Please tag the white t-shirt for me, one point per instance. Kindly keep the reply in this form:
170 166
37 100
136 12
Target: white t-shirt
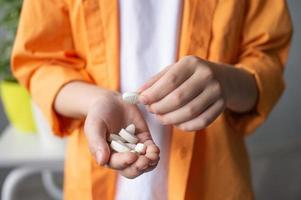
149 39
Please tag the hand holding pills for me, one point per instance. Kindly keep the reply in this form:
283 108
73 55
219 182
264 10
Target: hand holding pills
118 136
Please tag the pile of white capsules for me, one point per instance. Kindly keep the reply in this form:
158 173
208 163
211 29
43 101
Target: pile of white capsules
125 140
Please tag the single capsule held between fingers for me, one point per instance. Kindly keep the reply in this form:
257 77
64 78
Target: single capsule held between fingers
130 97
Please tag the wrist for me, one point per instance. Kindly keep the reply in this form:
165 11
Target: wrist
221 74
76 98
101 97
239 87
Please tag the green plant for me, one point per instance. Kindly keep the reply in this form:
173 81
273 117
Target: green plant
9 16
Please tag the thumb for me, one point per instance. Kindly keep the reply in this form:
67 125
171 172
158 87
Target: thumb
96 133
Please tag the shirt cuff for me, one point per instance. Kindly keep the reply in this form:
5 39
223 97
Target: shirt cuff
270 85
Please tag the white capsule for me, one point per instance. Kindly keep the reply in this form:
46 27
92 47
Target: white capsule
128 136
132 146
131 128
130 97
119 146
140 148
115 137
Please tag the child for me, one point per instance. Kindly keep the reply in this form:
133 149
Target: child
224 74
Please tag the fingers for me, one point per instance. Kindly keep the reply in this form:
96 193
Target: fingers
180 96
194 108
153 79
167 83
143 164
204 119
154 158
95 130
152 152
136 168
120 161
132 165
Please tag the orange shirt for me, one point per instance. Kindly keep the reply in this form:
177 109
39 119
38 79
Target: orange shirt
59 41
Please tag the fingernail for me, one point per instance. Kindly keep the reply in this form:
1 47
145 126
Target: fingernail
143 99
98 155
152 163
143 168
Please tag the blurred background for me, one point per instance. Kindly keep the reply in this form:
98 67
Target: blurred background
275 149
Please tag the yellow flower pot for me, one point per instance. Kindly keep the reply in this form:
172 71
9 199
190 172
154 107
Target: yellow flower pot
17 105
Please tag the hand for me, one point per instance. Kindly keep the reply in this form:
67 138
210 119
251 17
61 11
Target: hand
108 114
192 93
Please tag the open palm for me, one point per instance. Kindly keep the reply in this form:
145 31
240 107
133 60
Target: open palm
108 115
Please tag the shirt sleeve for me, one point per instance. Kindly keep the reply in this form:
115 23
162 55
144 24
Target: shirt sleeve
44 59
264 49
